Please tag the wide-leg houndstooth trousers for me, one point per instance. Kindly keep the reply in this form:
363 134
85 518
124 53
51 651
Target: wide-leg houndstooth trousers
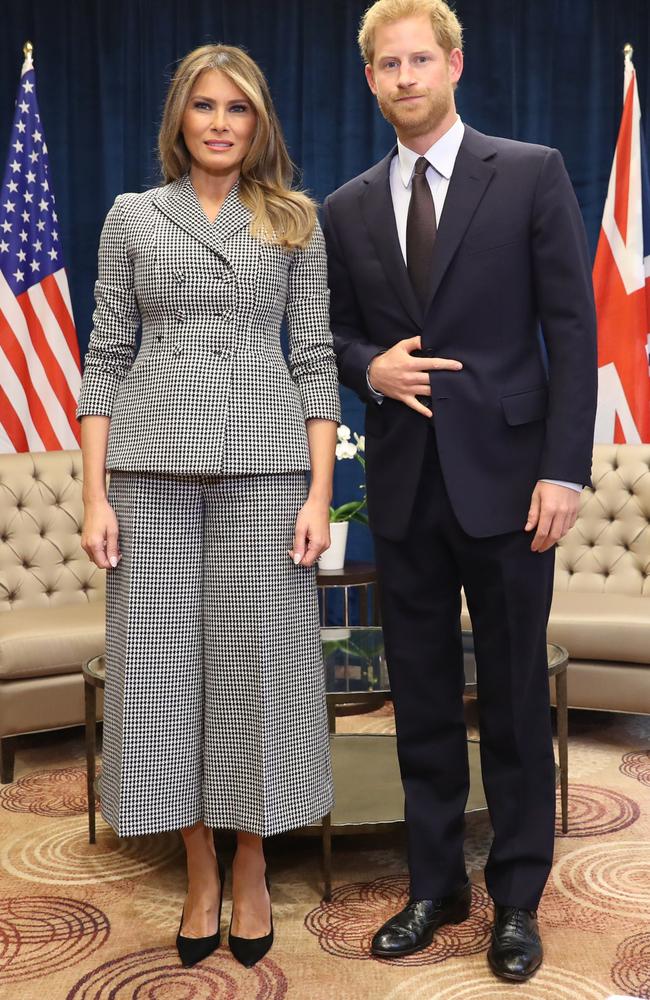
214 705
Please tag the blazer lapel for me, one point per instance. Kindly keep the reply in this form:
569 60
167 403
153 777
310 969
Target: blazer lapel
468 183
379 217
178 201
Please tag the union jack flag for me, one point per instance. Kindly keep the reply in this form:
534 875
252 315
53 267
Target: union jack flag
39 352
622 284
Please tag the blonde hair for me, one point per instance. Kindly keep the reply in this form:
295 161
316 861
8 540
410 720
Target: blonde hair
280 215
446 26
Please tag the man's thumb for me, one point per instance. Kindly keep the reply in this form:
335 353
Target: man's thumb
533 513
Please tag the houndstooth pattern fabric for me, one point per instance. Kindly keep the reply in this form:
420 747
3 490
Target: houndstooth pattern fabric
214 704
209 391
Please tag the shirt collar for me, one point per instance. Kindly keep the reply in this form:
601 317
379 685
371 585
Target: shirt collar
441 156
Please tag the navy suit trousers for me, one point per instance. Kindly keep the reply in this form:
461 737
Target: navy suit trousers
508 590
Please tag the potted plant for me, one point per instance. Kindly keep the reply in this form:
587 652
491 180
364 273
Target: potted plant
352 510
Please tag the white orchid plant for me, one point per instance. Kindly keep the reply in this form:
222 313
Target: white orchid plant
347 448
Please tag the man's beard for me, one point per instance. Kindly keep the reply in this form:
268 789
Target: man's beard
413 120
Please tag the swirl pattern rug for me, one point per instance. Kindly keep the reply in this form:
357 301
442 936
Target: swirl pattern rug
82 921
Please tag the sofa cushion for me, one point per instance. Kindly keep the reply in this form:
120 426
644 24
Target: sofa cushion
601 626
609 627
37 642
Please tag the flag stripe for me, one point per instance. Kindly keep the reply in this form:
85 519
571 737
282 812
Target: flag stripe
15 393
32 385
51 367
63 313
49 416
12 424
623 157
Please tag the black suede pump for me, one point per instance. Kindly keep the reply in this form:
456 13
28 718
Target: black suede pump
193 950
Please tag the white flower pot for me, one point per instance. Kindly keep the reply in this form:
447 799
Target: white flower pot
334 557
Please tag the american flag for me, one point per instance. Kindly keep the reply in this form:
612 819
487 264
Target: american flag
39 353
622 283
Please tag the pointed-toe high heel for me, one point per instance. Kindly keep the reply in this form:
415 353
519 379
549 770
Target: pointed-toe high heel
249 951
193 950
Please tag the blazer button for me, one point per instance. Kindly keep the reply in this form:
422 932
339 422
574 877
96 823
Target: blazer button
159 338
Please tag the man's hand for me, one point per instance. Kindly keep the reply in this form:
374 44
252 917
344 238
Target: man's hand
396 374
553 511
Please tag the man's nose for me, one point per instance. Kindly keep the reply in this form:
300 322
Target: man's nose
406 77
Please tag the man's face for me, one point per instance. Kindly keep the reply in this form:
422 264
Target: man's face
412 77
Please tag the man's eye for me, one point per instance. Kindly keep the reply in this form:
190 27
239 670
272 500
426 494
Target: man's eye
391 64
422 59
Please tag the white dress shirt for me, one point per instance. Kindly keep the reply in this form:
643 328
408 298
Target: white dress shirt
442 158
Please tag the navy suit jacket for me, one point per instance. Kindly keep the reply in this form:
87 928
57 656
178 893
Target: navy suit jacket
510 297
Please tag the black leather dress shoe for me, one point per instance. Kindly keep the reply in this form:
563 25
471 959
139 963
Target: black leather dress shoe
516 951
413 928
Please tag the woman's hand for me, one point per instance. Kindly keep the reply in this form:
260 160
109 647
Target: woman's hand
312 532
99 538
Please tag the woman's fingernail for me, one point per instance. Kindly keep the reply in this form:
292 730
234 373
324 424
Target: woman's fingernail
113 561
297 558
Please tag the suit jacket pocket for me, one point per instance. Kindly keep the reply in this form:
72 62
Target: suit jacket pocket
525 406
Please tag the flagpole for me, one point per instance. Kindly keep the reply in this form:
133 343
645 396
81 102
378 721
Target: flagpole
28 49
628 51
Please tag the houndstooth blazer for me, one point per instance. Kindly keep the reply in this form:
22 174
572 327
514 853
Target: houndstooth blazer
209 390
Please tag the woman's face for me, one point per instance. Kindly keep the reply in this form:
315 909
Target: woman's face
218 124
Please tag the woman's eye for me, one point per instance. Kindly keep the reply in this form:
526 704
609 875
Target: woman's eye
238 108
201 105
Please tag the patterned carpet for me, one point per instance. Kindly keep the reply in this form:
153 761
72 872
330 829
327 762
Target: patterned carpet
98 922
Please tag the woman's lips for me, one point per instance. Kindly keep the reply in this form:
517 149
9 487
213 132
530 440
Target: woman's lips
219 145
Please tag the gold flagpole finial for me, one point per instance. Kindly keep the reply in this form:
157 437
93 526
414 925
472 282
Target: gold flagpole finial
628 51
28 49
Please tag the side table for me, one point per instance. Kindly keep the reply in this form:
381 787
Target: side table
94 675
354 574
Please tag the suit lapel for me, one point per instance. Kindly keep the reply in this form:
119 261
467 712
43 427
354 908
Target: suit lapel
468 183
178 201
379 217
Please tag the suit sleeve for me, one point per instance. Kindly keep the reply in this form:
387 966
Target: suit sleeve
354 351
312 362
115 320
565 302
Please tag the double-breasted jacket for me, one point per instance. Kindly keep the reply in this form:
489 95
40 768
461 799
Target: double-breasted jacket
209 390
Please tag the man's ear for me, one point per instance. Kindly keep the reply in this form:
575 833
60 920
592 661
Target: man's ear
370 77
455 65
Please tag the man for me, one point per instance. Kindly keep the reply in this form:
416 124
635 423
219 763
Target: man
445 259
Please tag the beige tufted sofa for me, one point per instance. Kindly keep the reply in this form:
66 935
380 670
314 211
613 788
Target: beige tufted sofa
601 604
51 597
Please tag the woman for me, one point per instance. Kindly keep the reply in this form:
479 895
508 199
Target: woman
214 703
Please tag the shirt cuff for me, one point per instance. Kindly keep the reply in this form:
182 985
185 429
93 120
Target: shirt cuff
560 482
377 396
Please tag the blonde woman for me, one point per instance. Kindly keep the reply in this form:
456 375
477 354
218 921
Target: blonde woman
214 705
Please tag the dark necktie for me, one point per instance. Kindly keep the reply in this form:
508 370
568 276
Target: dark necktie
420 232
